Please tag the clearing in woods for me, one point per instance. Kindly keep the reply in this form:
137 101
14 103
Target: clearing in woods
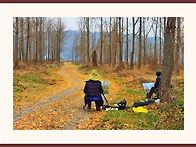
59 106
51 98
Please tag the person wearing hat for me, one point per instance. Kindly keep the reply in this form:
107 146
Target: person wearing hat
156 86
93 88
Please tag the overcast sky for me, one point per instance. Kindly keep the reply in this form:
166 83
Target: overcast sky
71 23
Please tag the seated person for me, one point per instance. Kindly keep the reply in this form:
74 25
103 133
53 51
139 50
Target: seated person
156 86
93 88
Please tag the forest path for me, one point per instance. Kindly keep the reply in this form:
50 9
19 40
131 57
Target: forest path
63 110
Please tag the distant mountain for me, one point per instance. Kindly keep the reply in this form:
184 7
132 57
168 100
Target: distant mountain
66 53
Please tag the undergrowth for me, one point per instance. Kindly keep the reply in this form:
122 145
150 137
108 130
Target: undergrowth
162 116
32 80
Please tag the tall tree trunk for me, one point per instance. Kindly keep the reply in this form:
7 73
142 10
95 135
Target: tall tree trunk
160 48
133 45
120 39
168 60
127 46
80 46
21 49
114 42
177 53
30 50
140 43
164 30
40 40
182 50
16 65
27 45
43 42
122 32
88 32
94 59
60 37
110 43
37 48
155 43
83 43
100 59
59 41
144 41
121 63
33 41
53 47
49 41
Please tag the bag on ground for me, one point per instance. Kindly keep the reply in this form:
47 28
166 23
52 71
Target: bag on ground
122 104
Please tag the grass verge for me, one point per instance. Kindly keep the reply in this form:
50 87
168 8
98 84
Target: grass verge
31 81
160 116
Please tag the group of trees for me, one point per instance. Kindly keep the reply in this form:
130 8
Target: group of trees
37 39
118 40
114 41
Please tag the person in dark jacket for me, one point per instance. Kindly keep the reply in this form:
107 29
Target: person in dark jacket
156 86
93 88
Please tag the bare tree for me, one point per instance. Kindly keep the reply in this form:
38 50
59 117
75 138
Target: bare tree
114 41
88 33
28 35
16 65
49 36
40 40
37 43
168 58
120 40
140 43
144 40
133 43
127 42
21 49
59 36
110 42
155 41
177 52
182 42
101 45
94 59
160 48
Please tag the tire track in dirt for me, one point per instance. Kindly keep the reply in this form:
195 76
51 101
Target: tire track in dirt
19 114
76 117
70 99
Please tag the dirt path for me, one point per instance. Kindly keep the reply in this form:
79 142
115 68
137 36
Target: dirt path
70 72
63 109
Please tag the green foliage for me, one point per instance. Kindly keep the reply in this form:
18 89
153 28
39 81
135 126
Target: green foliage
33 81
85 70
29 78
62 64
75 63
160 116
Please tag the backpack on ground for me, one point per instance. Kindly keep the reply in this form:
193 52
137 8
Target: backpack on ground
122 104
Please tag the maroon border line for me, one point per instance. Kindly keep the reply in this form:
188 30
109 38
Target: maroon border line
97 1
99 145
